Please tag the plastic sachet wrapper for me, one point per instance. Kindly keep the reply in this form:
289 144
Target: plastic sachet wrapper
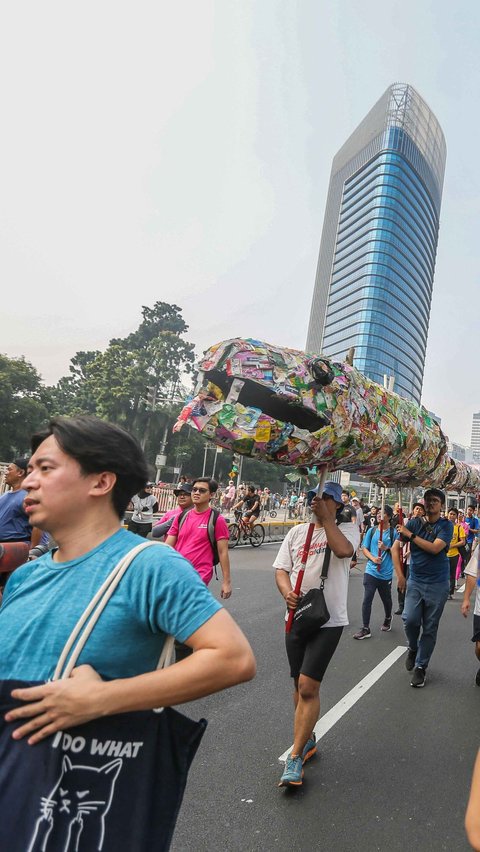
294 408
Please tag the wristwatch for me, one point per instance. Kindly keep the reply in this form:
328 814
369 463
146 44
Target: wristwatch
413 535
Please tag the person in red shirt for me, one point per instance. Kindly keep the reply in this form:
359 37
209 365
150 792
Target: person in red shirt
192 541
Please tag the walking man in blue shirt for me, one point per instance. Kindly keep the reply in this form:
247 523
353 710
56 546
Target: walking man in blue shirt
428 583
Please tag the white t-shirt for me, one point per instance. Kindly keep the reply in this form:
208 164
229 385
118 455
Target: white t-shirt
359 516
143 509
472 569
336 585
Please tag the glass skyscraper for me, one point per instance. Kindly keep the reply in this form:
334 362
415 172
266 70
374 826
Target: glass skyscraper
374 279
475 440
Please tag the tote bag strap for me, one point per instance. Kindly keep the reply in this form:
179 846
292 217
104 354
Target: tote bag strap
93 612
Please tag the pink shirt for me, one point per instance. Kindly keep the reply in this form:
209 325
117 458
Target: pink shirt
166 517
193 542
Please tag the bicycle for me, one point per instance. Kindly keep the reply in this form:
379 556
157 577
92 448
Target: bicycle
241 531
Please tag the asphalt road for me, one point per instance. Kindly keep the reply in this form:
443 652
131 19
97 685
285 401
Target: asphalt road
392 774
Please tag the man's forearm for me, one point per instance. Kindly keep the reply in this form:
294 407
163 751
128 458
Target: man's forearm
207 671
282 579
225 566
396 559
429 546
470 583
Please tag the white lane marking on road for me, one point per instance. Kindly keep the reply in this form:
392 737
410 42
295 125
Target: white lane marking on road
343 706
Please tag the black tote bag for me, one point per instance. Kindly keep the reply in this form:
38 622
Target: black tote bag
312 611
114 784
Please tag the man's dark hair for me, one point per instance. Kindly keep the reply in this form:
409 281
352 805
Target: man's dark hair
251 488
346 492
435 492
418 504
453 509
100 446
211 483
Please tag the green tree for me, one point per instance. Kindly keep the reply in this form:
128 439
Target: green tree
72 394
113 384
24 405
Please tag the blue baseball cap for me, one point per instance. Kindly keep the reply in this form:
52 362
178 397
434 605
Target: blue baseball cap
332 489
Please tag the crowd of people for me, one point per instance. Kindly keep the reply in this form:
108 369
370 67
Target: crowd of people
102 470
425 551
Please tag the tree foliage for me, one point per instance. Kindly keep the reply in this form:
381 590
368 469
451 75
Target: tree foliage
113 384
23 406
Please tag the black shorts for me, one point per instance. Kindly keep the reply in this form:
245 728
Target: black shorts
311 656
139 529
476 628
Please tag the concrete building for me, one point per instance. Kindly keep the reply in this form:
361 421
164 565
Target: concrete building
475 439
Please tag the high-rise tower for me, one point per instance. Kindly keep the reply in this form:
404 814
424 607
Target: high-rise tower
475 439
374 280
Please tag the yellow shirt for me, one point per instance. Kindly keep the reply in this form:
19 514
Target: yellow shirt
458 535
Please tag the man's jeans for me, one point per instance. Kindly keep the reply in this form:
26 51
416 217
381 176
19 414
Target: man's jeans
424 603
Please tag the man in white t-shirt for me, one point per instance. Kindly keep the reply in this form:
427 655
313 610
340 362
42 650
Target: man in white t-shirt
359 513
471 581
309 658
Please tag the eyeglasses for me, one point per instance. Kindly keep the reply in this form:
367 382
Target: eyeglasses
199 490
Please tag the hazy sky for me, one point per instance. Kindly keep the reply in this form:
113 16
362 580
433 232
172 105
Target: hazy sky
181 151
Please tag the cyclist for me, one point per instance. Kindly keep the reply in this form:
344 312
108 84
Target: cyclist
251 506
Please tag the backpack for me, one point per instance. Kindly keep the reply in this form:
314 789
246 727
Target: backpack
212 522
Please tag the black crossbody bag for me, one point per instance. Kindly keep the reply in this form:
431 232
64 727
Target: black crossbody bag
312 611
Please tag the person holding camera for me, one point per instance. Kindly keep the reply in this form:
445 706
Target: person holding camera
309 657
428 582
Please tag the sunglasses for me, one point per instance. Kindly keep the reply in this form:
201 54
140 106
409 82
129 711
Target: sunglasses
199 490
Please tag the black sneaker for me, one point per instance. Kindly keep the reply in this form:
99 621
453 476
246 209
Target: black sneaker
387 625
399 610
418 677
477 678
363 633
410 660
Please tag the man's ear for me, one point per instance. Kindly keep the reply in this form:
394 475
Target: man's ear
103 483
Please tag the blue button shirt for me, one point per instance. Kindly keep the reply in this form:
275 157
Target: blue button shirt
428 566
14 525
473 524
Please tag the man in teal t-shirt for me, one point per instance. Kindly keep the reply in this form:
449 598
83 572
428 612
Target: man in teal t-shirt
378 573
82 474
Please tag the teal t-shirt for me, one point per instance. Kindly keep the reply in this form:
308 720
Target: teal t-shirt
159 594
370 542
